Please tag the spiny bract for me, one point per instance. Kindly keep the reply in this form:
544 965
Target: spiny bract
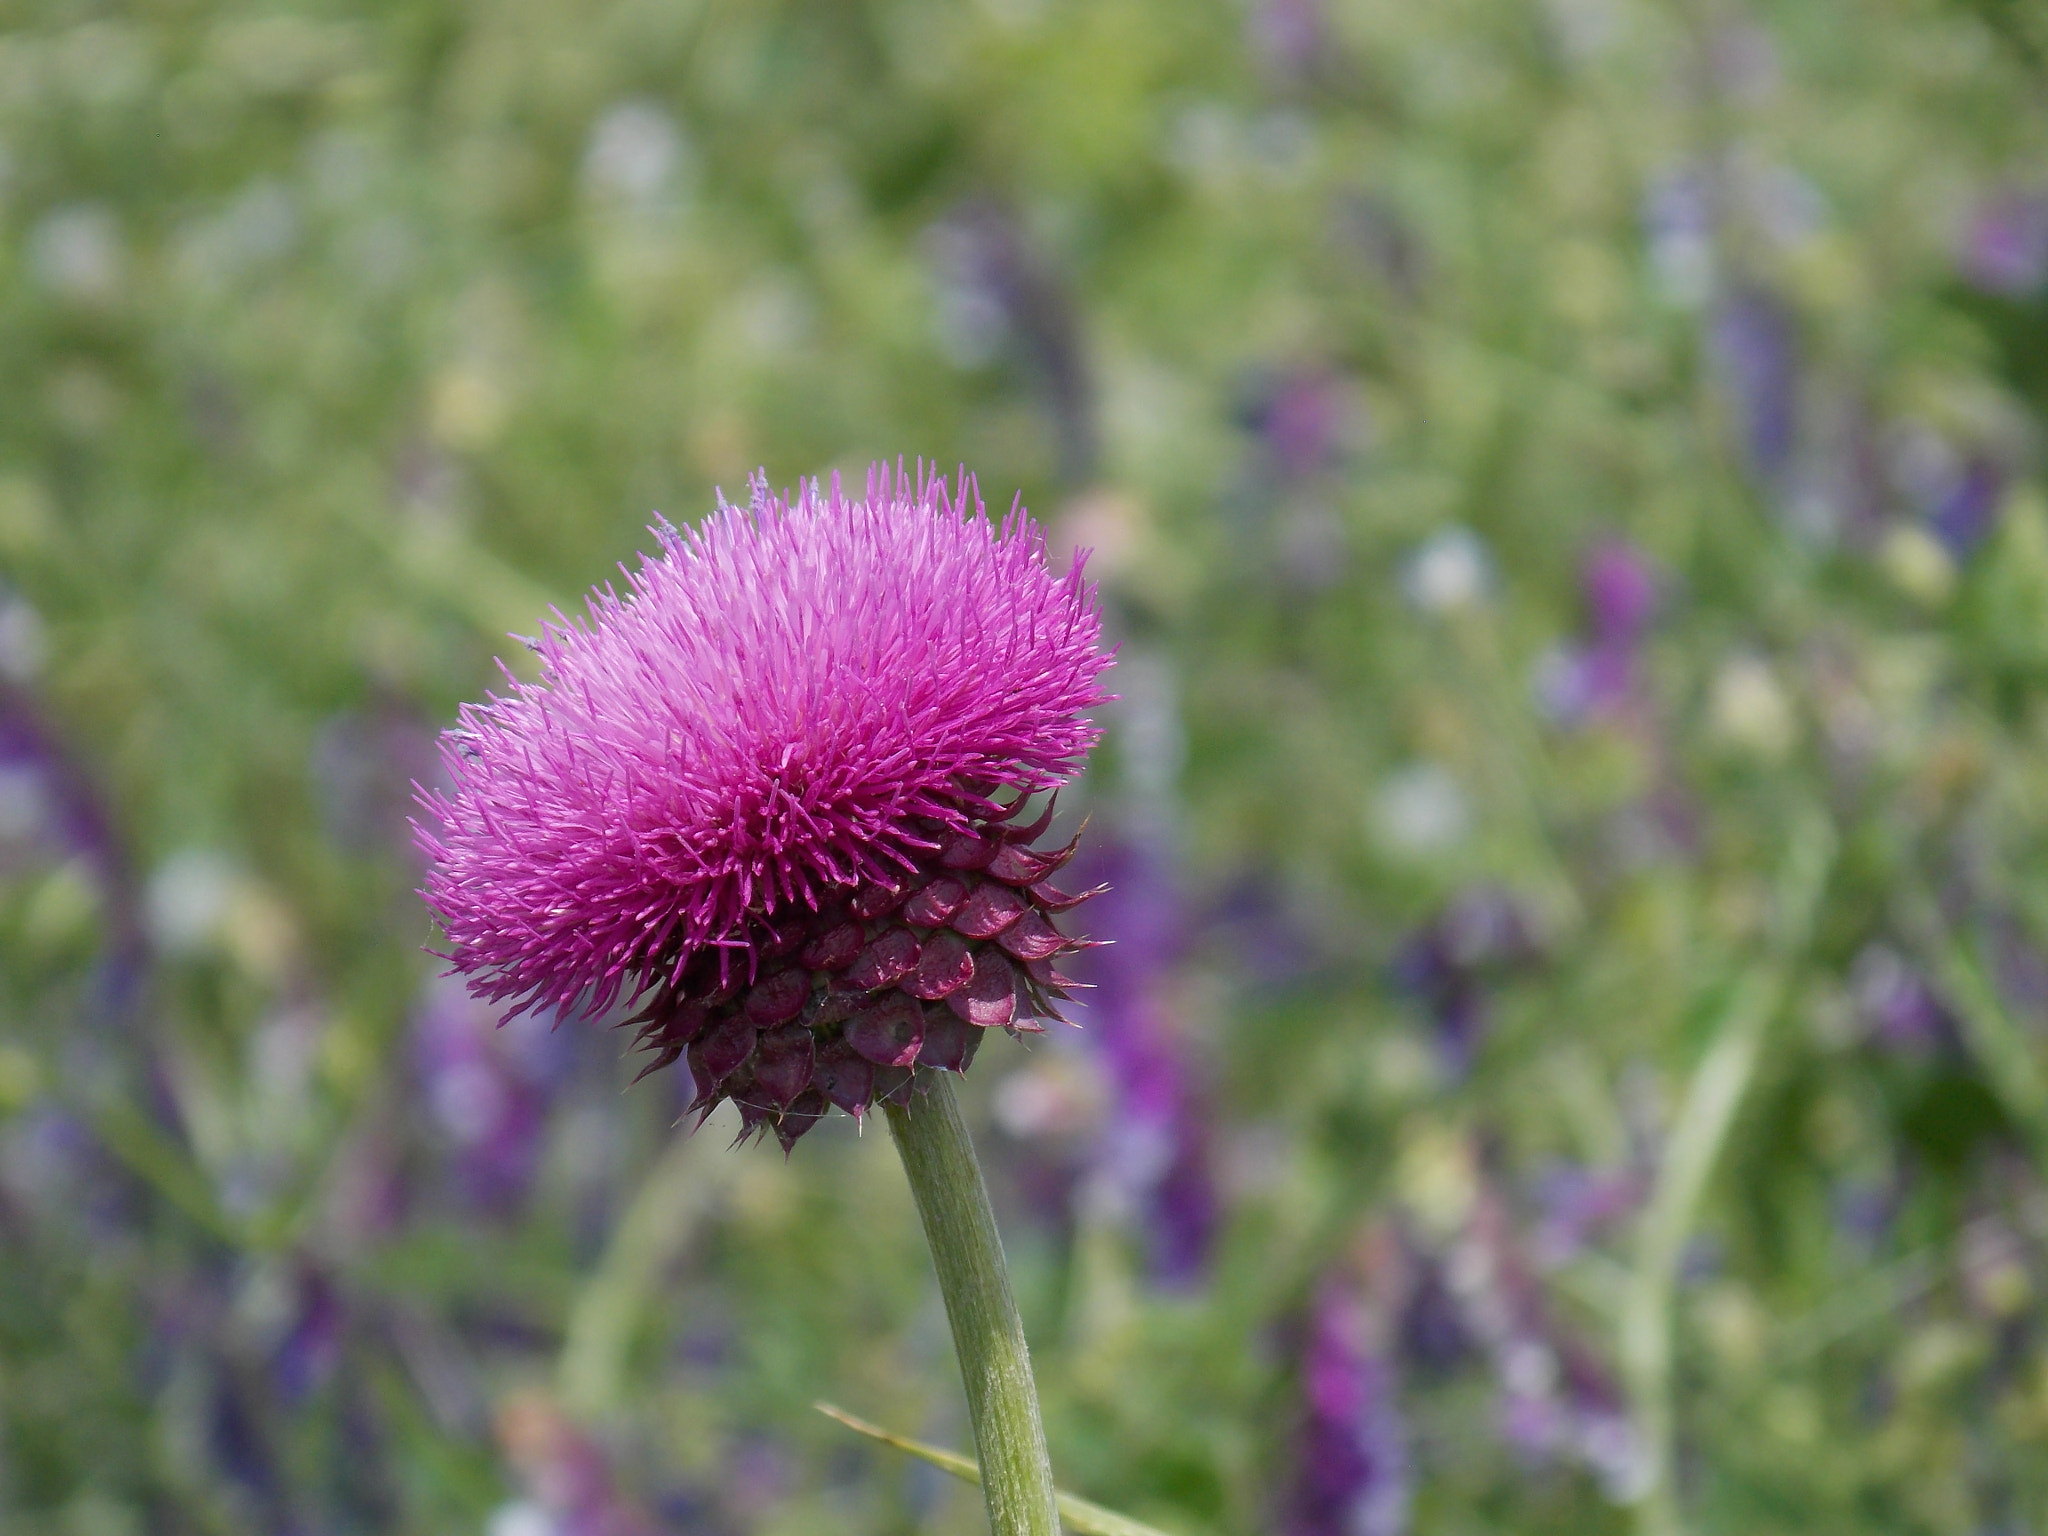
777 787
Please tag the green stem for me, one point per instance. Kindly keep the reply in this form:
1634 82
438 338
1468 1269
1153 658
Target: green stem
988 1336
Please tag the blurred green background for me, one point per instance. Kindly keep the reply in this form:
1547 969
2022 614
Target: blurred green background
1565 482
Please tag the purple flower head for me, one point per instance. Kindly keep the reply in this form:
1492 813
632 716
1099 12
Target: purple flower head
1557 1401
305 1356
1577 1205
1755 347
1354 1474
1899 1014
487 1091
2005 245
1967 511
999 293
1298 417
1577 684
1621 591
762 785
1293 36
1448 964
1154 1152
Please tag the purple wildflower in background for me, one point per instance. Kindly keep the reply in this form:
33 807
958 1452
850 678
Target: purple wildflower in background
487 1093
359 763
1865 1209
1897 1010
1557 1402
2004 248
998 293
1958 489
763 787
309 1348
1968 510
571 1486
1450 963
47 798
1433 1337
1155 1149
1272 942
1368 227
1291 36
1353 1471
1298 417
1755 348
1596 678
1621 592
2020 966
1578 1204
1678 230
239 1437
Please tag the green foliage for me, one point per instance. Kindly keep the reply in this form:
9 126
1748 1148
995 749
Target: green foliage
343 341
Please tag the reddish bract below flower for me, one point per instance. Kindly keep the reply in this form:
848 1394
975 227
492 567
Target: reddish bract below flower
779 783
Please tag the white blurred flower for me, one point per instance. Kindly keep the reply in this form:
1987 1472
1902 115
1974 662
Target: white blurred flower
24 803
1678 221
188 898
1748 708
256 228
1202 142
76 251
1585 28
1420 810
636 152
24 644
1057 1095
1918 565
522 1517
1450 572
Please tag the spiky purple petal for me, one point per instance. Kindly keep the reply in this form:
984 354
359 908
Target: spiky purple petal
779 709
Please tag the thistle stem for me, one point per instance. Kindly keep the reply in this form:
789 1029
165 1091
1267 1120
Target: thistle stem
988 1336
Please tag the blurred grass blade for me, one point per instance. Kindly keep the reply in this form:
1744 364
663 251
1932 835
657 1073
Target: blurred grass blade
1713 1098
675 1200
159 1162
1962 968
1078 1515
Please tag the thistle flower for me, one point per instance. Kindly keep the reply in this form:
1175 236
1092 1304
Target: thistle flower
778 790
